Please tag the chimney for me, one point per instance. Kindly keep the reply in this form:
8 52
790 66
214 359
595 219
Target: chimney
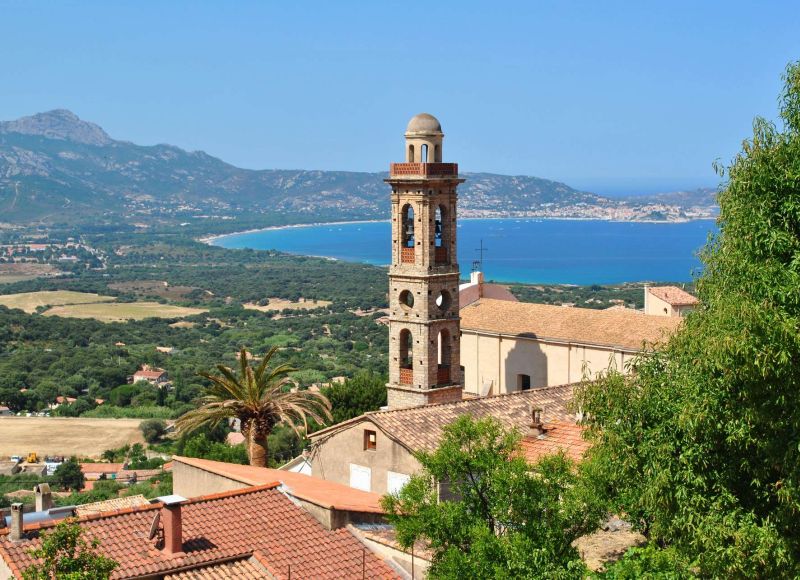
173 524
44 499
536 428
477 279
16 522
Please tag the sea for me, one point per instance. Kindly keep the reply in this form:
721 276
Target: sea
531 251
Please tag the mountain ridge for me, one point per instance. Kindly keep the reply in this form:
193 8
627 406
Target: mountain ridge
55 166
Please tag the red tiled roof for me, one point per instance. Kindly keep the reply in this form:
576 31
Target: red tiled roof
149 374
88 468
244 569
558 436
218 529
421 428
327 494
673 295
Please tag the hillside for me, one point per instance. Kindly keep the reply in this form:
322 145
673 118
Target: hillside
55 167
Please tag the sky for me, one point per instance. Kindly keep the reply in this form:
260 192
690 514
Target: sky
611 97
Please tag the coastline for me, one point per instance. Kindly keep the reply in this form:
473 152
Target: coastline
212 238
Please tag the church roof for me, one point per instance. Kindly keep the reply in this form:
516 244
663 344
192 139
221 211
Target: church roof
615 328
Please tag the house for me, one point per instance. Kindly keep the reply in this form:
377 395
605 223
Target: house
153 375
375 451
5 411
513 346
257 532
165 349
668 301
332 504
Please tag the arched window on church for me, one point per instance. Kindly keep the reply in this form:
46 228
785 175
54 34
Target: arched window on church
423 158
437 153
444 348
406 357
411 154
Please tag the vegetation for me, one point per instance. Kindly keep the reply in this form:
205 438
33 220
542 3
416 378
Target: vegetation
701 446
260 398
153 430
66 554
502 517
364 392
69 475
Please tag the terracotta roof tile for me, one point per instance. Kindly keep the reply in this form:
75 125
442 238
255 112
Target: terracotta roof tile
113 504
558 436
576 325
219 528
420 428
328 494
245 569
673 295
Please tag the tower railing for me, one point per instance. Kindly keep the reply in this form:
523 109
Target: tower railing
423 169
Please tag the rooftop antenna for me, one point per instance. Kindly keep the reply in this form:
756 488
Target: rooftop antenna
480 251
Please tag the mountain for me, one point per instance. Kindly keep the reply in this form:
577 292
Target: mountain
55 167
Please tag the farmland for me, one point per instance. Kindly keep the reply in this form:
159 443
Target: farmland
65 436
30 301
278 304
122 311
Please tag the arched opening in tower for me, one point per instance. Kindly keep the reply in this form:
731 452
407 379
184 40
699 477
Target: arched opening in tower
406 357
411 154
441 235
407 235
444 348
423 158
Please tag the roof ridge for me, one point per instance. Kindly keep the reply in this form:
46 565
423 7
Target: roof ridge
380 413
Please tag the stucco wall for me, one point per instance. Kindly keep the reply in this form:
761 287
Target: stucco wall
490 358
192 482
331 458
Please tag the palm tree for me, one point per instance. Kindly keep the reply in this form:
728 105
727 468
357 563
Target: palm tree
260 398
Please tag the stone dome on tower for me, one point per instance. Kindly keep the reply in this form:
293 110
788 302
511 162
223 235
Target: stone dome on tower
424 123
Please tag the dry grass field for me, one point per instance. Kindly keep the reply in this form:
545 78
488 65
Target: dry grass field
30 301
122 311
65 436
18 272
278 304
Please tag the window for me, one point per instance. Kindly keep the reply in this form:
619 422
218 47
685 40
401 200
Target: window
395 481
360 477
370 440
523 382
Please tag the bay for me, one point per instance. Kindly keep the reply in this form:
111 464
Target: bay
517 250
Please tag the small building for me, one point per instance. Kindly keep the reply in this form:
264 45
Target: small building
165 349
332 504
256 532
5 411
153 375
375 451
668 301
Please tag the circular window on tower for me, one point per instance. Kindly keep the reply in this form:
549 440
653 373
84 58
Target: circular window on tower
407 299
443 300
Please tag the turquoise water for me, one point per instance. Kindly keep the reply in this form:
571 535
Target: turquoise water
519 250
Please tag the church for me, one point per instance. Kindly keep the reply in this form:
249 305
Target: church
478 352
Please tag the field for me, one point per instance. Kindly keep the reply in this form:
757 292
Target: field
122 311
158 288
19 272
278 304
30 301
65 436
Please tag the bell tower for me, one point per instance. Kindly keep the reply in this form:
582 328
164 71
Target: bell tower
424 323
